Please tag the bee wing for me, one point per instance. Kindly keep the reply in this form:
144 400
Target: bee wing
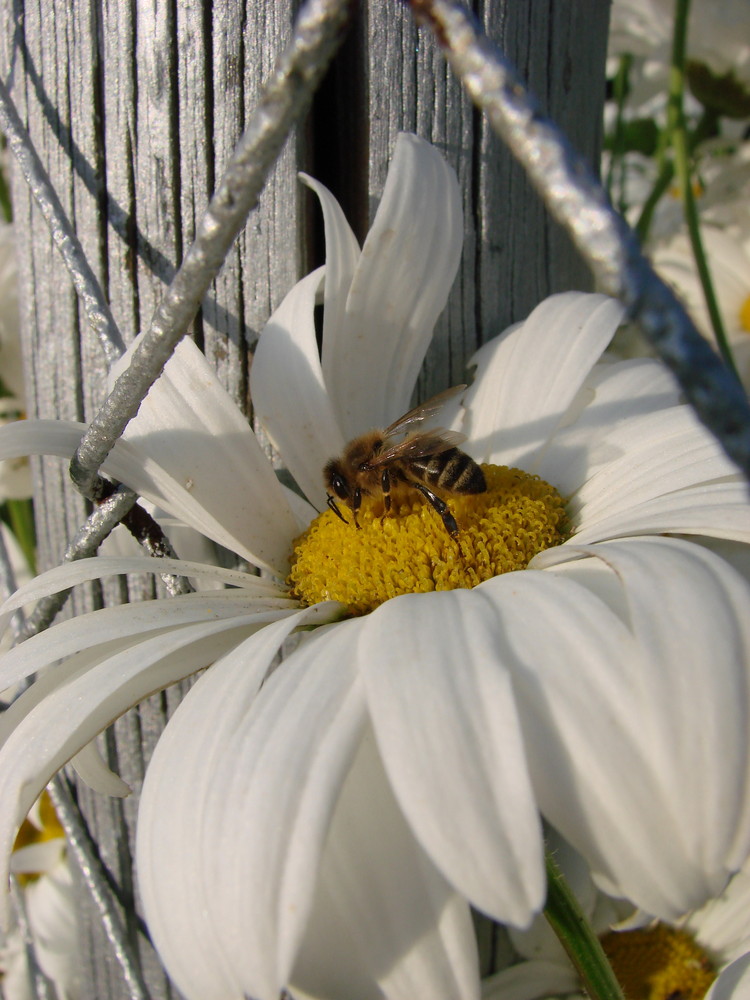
431 442
423 411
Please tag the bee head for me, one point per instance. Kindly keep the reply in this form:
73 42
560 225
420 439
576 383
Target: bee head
336 482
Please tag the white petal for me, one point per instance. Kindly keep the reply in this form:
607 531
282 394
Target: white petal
718 511
265 776
210 470
96 568
342 254
400 287
636 717
90 766
733 982
383 913
90 696
116 623
40 437
52 915
528 377
39 857
612 395
652 455
531 981
445 719
721 926
288 392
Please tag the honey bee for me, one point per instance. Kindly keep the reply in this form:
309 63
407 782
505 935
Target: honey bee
372 463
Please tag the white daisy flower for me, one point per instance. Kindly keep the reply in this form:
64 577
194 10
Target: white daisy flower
703 955
729 263
389 773
40 864
718 35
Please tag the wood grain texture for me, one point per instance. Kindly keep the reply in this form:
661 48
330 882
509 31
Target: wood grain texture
134 107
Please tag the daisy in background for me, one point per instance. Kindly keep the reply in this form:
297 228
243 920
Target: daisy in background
728 256
718 45
390 773
39 863
707 953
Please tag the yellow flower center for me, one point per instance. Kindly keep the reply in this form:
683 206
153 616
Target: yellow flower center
659 963
30 833
408 549
745 315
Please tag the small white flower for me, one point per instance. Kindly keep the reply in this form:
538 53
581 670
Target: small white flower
729 263
389 773
718 33
709 946
46 885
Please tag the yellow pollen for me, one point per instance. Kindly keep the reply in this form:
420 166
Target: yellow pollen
745 315
408 550
659 963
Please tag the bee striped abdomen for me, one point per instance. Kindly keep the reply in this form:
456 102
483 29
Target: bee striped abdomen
453 470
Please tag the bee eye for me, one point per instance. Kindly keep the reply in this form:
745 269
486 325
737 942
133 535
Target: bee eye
339 486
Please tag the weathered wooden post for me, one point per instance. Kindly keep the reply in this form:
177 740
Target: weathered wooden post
134 110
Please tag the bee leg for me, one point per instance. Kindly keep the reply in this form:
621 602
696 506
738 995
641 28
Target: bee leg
441 507
385 485
356 504
335 507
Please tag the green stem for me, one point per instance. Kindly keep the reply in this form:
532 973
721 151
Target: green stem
681 147
661 184
620 92
5 206
577 938
705 129
20 518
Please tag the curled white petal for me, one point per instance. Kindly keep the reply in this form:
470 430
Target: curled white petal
114 624
91 767
67 714
636 720
384 916
233 929
733 983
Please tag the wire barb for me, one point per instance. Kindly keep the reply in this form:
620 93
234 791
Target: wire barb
576 199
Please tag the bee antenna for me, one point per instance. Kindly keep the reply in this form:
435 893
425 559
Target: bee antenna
334 507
